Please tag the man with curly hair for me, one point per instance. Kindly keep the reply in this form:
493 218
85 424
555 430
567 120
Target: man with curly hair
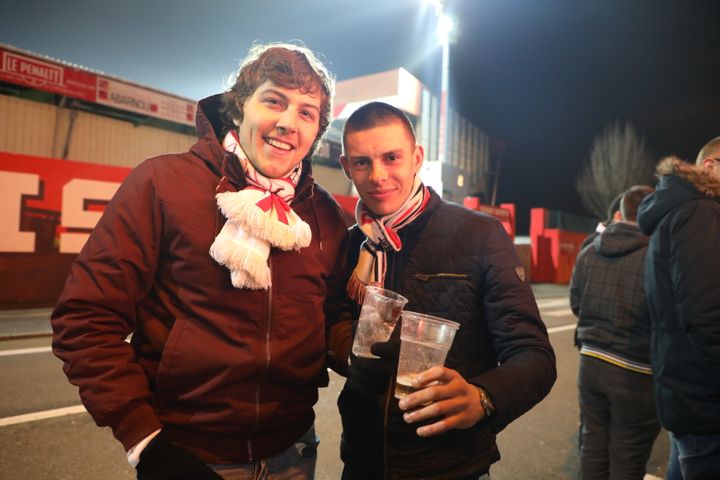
219 261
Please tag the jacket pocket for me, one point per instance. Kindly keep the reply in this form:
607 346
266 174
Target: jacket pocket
170 356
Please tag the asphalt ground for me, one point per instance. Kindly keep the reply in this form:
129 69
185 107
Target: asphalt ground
46 434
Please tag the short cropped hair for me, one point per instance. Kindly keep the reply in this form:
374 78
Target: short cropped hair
631 200
711 149
375 114
288 66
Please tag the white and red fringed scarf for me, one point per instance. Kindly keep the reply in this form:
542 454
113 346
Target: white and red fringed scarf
258 217
381 237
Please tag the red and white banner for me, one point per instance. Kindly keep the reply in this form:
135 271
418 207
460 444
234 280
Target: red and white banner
52 76
66 197
48 207
46 75
141 100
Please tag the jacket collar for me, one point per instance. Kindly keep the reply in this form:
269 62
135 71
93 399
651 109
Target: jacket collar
703 181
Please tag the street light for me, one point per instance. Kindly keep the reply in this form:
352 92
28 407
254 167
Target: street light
445 27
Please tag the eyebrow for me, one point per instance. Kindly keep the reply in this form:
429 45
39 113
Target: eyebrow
285 98
397 151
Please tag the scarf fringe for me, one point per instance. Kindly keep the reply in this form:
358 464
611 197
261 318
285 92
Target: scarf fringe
356 289
240 208
245 257
240 279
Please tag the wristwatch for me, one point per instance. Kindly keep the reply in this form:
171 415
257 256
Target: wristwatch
485 401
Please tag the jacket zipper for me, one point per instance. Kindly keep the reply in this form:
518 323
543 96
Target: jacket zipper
267 363
430 276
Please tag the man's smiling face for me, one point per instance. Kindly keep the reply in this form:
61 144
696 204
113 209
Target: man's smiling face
279 127
382 162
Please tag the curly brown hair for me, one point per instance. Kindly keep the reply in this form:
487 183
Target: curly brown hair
288 66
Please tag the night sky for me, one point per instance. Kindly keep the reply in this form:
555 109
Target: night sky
546 76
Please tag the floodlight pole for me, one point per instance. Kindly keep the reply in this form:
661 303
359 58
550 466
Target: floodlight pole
443 130
444 37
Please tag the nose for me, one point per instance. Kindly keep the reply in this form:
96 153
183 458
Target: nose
287 121
378 173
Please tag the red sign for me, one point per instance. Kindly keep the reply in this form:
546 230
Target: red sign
71 193
48 208
45 75
52 76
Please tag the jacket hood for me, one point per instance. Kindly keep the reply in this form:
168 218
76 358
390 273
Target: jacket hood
619 239
678 183
212 128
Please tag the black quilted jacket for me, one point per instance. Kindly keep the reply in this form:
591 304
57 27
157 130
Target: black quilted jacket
461 265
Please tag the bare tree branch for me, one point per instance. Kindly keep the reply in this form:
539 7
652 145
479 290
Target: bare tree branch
618 160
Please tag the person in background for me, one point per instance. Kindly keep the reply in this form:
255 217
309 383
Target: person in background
617 403
449 262
220 262
613 214
682 283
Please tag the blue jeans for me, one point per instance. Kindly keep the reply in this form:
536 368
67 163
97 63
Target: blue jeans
618 420
694 457
295 463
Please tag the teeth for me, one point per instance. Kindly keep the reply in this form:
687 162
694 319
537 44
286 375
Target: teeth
278 144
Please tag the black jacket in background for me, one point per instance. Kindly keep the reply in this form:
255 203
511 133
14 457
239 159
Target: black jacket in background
460 265
682 282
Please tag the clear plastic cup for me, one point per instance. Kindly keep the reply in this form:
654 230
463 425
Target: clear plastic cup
380 312
424 342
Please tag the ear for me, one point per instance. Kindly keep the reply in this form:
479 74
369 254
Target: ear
346 166
708 163
418 157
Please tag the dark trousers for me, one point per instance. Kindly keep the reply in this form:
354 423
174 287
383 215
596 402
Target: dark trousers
350 474
618 421
694 457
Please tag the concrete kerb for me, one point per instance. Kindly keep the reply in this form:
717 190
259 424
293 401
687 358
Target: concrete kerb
25 323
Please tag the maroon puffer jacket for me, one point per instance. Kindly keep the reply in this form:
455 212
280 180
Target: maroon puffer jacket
230 374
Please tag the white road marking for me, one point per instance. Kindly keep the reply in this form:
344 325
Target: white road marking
59 412
31 417
553 302
558 313
562 328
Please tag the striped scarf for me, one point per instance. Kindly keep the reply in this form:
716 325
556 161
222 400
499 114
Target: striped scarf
258 217
381 237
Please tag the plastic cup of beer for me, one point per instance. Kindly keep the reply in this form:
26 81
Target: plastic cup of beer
424 342
380 312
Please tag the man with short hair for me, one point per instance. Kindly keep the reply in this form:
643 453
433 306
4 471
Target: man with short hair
219 261
682 283
613 214
449 262
617 402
